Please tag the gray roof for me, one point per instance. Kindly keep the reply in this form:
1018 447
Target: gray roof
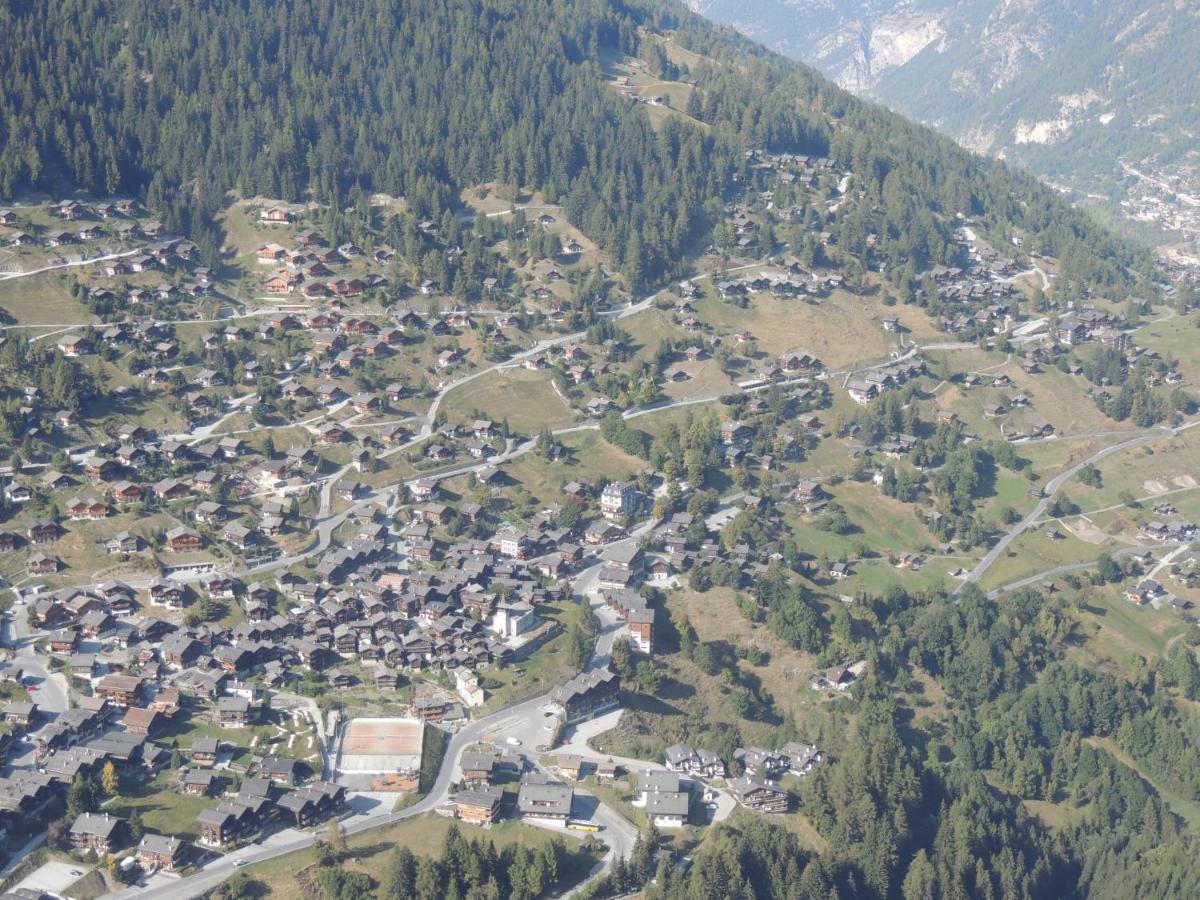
160 843
540 796
667 803
748 784
98 824
658 780
485 798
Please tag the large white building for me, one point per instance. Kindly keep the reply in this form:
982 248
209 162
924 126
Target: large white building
619 498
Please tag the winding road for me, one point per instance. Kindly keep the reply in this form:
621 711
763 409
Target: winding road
1054 485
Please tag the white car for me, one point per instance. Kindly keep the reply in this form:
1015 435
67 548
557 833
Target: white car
513 742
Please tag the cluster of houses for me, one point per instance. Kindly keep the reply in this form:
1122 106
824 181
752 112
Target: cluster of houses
269 796
756 788
874 382
307 269
169 674
1091 325
259 801
113 219
786 278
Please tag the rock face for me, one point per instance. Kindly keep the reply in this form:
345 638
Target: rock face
882 45
1067 87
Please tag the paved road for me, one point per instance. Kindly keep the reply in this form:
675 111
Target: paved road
68 265
1039 577
51 690
1052 488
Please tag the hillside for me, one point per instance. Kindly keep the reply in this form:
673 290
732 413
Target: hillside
611 395
1070 90
420 101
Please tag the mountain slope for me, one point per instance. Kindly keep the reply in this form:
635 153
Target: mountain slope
1067 87
318 99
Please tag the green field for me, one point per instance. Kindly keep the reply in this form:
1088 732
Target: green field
1034 552
588 457
780 324
546 667
43 300
525 399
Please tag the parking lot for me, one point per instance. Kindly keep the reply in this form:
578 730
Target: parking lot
55 877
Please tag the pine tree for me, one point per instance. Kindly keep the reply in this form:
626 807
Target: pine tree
398 881
81 797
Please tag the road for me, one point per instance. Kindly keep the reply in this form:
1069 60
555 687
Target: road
525 718
67 265
1052 488
1039 577
51 689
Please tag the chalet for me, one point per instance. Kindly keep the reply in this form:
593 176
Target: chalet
1145 591
218 826
167 593
1071 331
758 761
127 492
87 508
544 800
120 690
759 794
312 802
330 433
182 539
19 712
171 489
167 701
98 833
735 432
239 535
801 758
448 358
278 769
665 808
478 767
198 782
861 391
18 493
42 564
97 623
683 759
64 641
204 751
158 852
74 345
138 720
479 807
587 694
